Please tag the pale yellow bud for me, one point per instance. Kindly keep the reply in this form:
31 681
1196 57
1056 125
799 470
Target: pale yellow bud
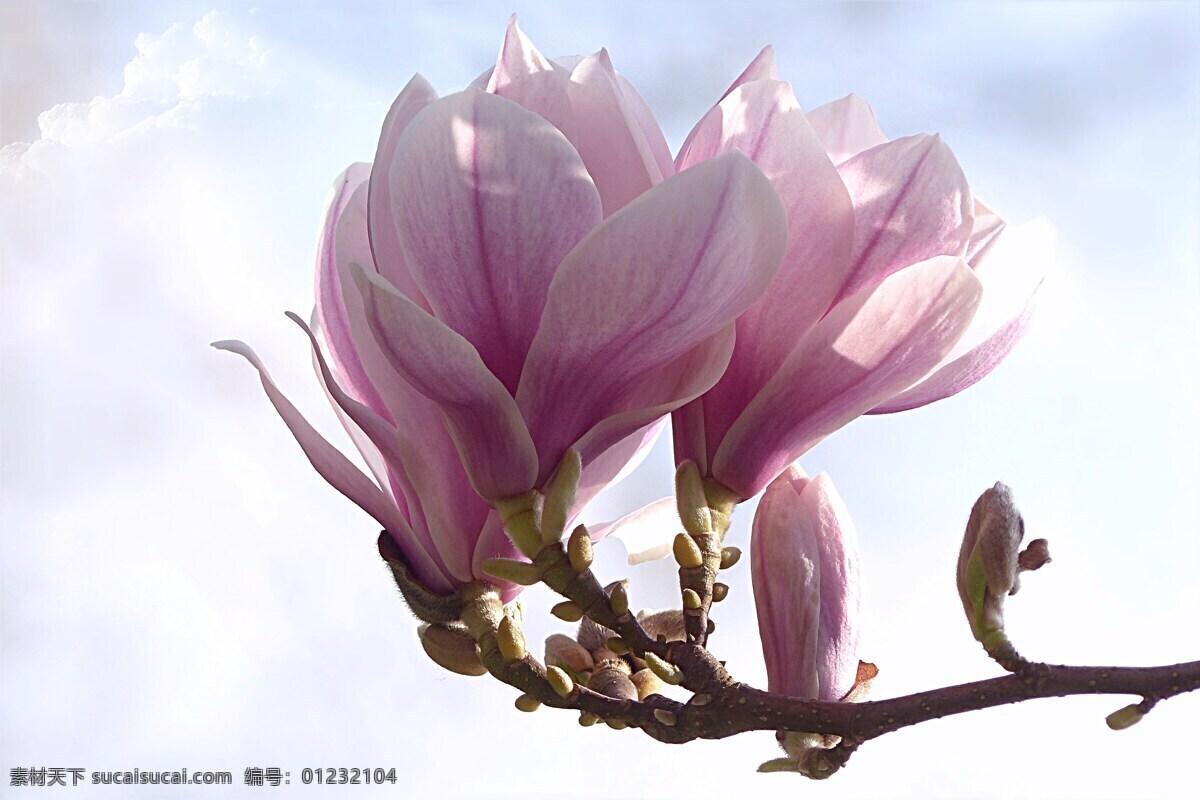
511 640
528 703
687 552
560 497
519 572
579 549
567 611
560 681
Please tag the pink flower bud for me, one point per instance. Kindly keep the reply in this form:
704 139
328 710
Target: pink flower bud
804 560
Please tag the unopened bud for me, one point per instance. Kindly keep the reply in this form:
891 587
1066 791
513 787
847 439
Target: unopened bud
563 651
528 703
511 640
669 673
567 611
560 681
618 599
1125 717
687 552
587 719
579 549
616 724
452 648
989 563
519 572
720 592
560 497
691 600
668 625
522 517
730 556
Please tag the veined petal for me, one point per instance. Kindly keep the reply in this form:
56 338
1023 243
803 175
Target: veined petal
644 288
804 563
660 392
388 257
487 199
762 68
331 305
846 127
647 533
482 416
431 483
611 140
335 468
526 77
1012 275
763 120
652 133
861 353
452 548
911 203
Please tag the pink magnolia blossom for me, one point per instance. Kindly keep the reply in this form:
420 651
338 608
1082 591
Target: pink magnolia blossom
804 565
517 274
880 282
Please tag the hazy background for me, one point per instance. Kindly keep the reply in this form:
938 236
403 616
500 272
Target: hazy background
180 589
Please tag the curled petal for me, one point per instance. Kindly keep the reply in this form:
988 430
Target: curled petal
846 127
804 565
482 416
612 141
762 68
487 199
987 227
715 235
388 257
335 468
911 203
861 353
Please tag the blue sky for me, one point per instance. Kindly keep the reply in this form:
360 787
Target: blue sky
180 589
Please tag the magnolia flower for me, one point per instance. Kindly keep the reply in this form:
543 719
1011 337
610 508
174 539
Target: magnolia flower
519 274
881 280
804 566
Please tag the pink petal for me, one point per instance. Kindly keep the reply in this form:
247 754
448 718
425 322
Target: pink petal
714 235
661 392
431 486
453 547
762 68
494 543
647 123
864 351
482 416
488 198
526 77
688 434
911 203
986 228
846 127
647 533
1012 275
616 463
335 468
331 306
763 120
612 142
804 562
388 257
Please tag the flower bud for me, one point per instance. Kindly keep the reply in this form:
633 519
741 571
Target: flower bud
511 640
560 681
687 552
579 549
804 566
989 564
